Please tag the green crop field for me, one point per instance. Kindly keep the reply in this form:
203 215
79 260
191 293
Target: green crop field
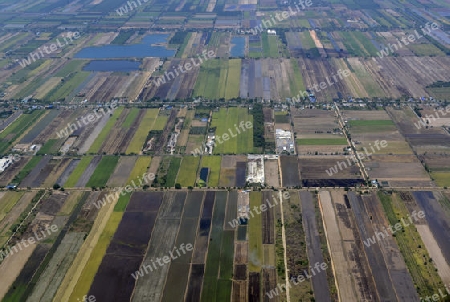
296 82
91 267
255 243
17 128
132 115
9 43
224 121
188 171
50 147
8 201
160 122
366 78
213 163
23 74
219 79
78 171
441 178
270 46
122 203
210 287
353 46
425 50
321 141
207 84
309 45
103 171
65 88
140 167
95 147
226 255
172 172
27 169
371 126
70 67
304 23
223 80
369 48
233 79
441 92
146 124
410 243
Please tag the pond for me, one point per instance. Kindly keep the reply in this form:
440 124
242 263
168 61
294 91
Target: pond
150 46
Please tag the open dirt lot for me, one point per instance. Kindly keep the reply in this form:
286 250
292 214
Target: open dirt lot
313 170
313 121
122 172
54 174
271 173
34 176
353 247
397 168
88 172
7 175
11 268
380 268
290 176
319 282
341 265
365 115
401 279
229 170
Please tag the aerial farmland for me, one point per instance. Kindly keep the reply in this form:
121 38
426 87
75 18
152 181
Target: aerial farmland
224 151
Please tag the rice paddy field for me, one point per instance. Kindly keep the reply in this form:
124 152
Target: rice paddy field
213 164
188 171
219 79
145 126
225 121
95 147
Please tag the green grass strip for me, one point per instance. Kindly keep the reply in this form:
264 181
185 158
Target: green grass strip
255 243
95 147
122 203
27 169
78 171
103 171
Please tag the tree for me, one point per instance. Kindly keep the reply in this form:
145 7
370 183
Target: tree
56 186
177 186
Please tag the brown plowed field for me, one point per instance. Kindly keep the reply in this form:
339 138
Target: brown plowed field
117 137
